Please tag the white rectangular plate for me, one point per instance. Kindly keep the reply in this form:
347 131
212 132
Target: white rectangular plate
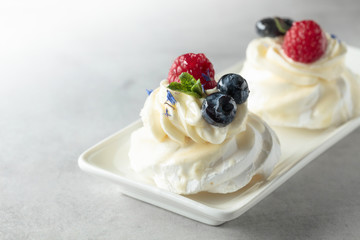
109 159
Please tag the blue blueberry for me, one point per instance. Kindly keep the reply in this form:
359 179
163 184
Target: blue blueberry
288 22
234 85
219 109
273 27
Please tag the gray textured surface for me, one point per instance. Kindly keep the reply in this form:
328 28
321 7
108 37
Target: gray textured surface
74 72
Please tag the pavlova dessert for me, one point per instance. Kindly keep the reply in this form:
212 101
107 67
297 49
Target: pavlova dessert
298 76
197 134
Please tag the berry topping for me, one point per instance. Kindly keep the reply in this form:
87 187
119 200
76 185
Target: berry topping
219 109
195 64
234 85
273 27
305 42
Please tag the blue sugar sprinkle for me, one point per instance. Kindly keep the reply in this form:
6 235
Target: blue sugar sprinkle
149 91
335 37
203 89
167 113
206 76
170 98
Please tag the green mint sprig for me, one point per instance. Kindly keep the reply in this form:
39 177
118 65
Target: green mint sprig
188 85
281 25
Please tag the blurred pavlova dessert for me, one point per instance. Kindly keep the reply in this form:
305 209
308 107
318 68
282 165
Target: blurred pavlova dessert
197 134
298 76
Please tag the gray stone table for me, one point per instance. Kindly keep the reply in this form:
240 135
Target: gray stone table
74 72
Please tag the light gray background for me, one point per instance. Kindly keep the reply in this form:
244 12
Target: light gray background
74 72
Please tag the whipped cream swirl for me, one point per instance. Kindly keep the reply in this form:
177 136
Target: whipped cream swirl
183 121
180 152
288 93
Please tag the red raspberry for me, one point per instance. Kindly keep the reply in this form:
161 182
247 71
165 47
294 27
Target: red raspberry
197 65
305 42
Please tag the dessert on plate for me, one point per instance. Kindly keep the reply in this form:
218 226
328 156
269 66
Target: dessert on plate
298 76
197 134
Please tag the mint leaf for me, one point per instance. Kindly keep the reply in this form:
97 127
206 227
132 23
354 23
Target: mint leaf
196 88
281 25
188 85
175 86
187 79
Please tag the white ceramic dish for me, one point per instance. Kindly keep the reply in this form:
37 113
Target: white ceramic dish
109 159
